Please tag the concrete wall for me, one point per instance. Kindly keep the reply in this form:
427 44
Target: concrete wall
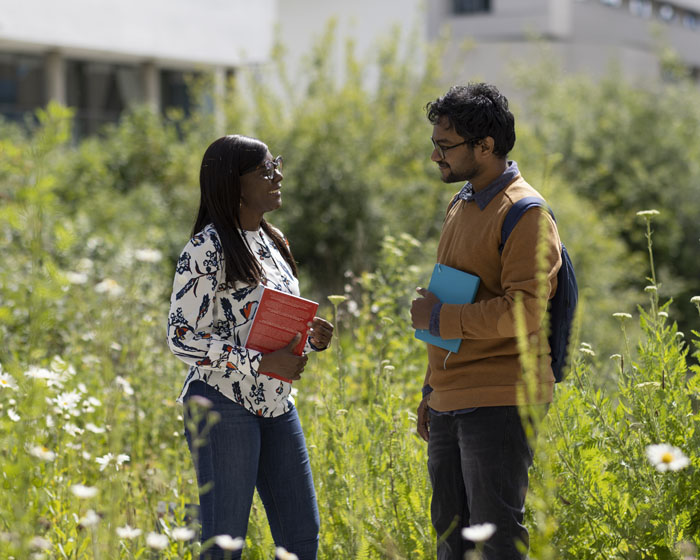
178 33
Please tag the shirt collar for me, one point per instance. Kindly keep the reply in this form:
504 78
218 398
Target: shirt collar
484 196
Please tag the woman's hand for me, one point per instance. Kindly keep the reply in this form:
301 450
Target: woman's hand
321 333
284 362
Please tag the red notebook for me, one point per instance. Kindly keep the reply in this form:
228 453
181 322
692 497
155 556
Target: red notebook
278 318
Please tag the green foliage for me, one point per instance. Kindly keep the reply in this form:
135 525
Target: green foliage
625 148
598 493
89 231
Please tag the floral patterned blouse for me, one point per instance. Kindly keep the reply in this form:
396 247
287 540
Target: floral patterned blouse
210 319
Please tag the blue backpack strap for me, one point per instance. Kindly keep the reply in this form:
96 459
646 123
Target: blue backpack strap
515 213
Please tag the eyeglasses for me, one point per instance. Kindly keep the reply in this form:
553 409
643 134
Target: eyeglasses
270 165
442 149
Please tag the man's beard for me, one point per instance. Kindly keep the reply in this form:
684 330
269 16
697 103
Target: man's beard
466 175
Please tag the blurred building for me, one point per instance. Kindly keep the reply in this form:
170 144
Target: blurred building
584 35
101 56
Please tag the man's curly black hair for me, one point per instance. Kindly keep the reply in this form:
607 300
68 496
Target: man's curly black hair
476 111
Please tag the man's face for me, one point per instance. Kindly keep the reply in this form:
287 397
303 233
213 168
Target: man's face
459 163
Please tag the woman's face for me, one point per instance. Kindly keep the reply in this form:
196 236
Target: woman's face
258 193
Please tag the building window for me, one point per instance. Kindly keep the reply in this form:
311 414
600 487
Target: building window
21 85
471 6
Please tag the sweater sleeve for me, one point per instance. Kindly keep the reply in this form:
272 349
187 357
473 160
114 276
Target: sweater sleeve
494 317
192 335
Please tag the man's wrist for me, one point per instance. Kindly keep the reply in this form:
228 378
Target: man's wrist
434 327
427 389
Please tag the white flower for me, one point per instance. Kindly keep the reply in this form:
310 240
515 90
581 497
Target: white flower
41 373
648 213
282 554
127 532
109 287
227 543
585 350
148 255
90 427
42 453
90 519
695 300
82 491
182 534
124 384
72 429
12 415
67 401
104 461
156 541
479 533
663 314
121 459
76 277
650 289
7 381
40 543
85 265
622 316
666 457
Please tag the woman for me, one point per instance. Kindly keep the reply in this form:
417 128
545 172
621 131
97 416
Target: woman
257 441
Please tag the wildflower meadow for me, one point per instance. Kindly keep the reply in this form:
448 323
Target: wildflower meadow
93 461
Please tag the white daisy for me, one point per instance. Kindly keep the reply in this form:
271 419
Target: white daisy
76 277
227 543
124 384
42 453
67 401
109 287
104 461
479 533
666 457
156 541
40 543
148 255
128 532
90 519
7 381
283 554
12 415
90 427
182 534
82 491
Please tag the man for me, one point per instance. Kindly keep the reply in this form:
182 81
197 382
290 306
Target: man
478 451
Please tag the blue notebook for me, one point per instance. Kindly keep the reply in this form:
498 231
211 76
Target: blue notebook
450 286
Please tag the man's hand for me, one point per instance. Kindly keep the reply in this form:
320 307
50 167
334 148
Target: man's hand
284 362
423 421
422 307
321 333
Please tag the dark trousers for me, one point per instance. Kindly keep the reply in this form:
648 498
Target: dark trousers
242 452
478 464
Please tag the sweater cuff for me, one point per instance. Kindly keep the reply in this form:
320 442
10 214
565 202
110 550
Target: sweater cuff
435 320
427 389
450 321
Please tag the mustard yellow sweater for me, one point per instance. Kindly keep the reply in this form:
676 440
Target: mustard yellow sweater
487 371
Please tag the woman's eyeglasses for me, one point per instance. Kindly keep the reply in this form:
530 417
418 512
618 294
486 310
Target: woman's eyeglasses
270 165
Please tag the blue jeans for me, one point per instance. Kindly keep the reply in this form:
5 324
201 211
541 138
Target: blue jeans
242 452
478 464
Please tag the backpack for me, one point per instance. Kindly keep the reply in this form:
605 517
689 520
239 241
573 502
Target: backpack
563 304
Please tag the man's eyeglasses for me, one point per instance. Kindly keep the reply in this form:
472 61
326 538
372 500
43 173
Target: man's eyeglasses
270 165
442 149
